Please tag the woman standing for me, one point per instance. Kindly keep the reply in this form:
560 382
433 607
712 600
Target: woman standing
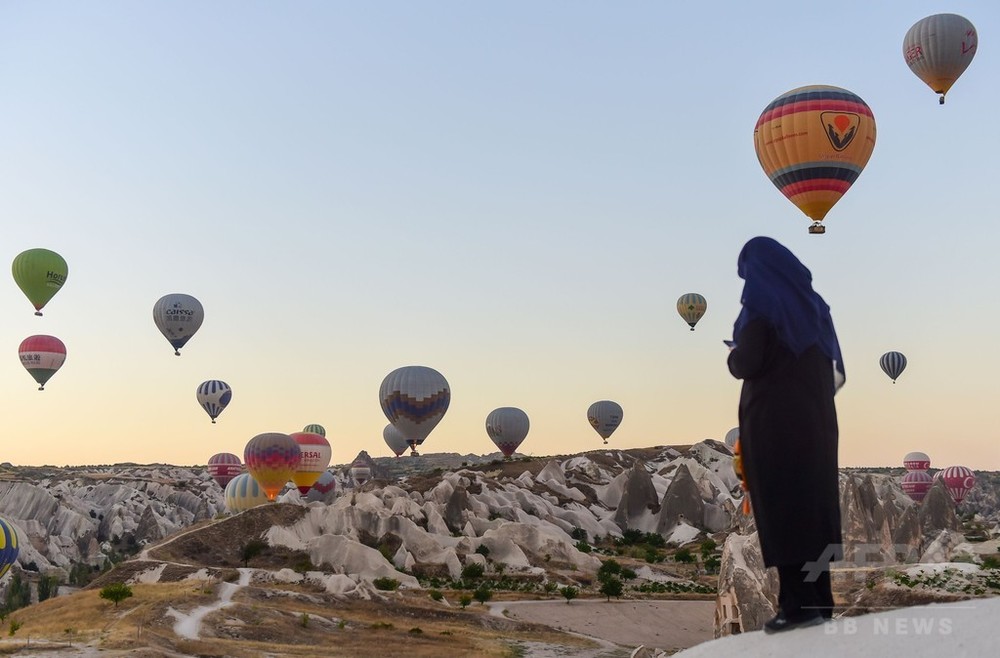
786 352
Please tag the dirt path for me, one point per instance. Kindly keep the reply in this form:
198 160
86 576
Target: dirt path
189 625
665 625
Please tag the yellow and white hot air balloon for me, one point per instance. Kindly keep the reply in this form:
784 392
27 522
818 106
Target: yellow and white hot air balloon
939 48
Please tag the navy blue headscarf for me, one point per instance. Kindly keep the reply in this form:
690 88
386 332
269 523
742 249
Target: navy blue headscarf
779 289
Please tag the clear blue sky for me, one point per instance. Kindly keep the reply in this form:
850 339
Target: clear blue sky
512 193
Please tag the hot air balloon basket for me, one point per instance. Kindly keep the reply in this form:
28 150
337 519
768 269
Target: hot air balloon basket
817 229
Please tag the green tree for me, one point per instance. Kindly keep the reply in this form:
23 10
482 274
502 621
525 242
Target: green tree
250 550
609 568
569 593
707 547
482 594
18 593
473 570
464 600
47 587
611 586
116 592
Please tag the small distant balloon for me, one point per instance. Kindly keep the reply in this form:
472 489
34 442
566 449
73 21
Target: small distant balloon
271 459
315 429
42 356
395 440
893 364
507 427
732 436
214 395
959 480
939 48
691 307
916 484
243 493
316 455
916 461
178 317
40 274
361 472
223 467
8 546
605 416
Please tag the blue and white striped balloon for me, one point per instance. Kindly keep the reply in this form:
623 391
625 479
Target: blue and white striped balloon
893 364
214 396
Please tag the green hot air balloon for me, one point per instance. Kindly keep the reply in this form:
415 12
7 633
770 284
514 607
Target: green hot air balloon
40 274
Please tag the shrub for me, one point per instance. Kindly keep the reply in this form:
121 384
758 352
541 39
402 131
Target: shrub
482 594
551 587
473 571
583 547
436 594
464 600
683 555
386 583
483 550
304 620
579 534
569 593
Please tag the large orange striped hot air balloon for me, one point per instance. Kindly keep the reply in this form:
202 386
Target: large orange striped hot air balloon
813 142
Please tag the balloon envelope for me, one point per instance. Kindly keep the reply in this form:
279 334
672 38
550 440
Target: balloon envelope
605 416
939 48
893 364
916 461
42 356
271 459
243 493
315 429
316 455
507 427
396 441
691 307
414 399
40 274
8 546
361 472
325 488
223 467
813 142
959 480
732 436
178 317
916 484
214 395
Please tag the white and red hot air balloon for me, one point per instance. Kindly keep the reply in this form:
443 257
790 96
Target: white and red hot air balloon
916 461
916 484
959 480
223 467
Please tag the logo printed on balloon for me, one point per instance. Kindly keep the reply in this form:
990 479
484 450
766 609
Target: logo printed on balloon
840 128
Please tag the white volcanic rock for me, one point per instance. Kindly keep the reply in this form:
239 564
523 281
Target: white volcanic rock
77 515
344 555
639 501
544 545
744 583
551 473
